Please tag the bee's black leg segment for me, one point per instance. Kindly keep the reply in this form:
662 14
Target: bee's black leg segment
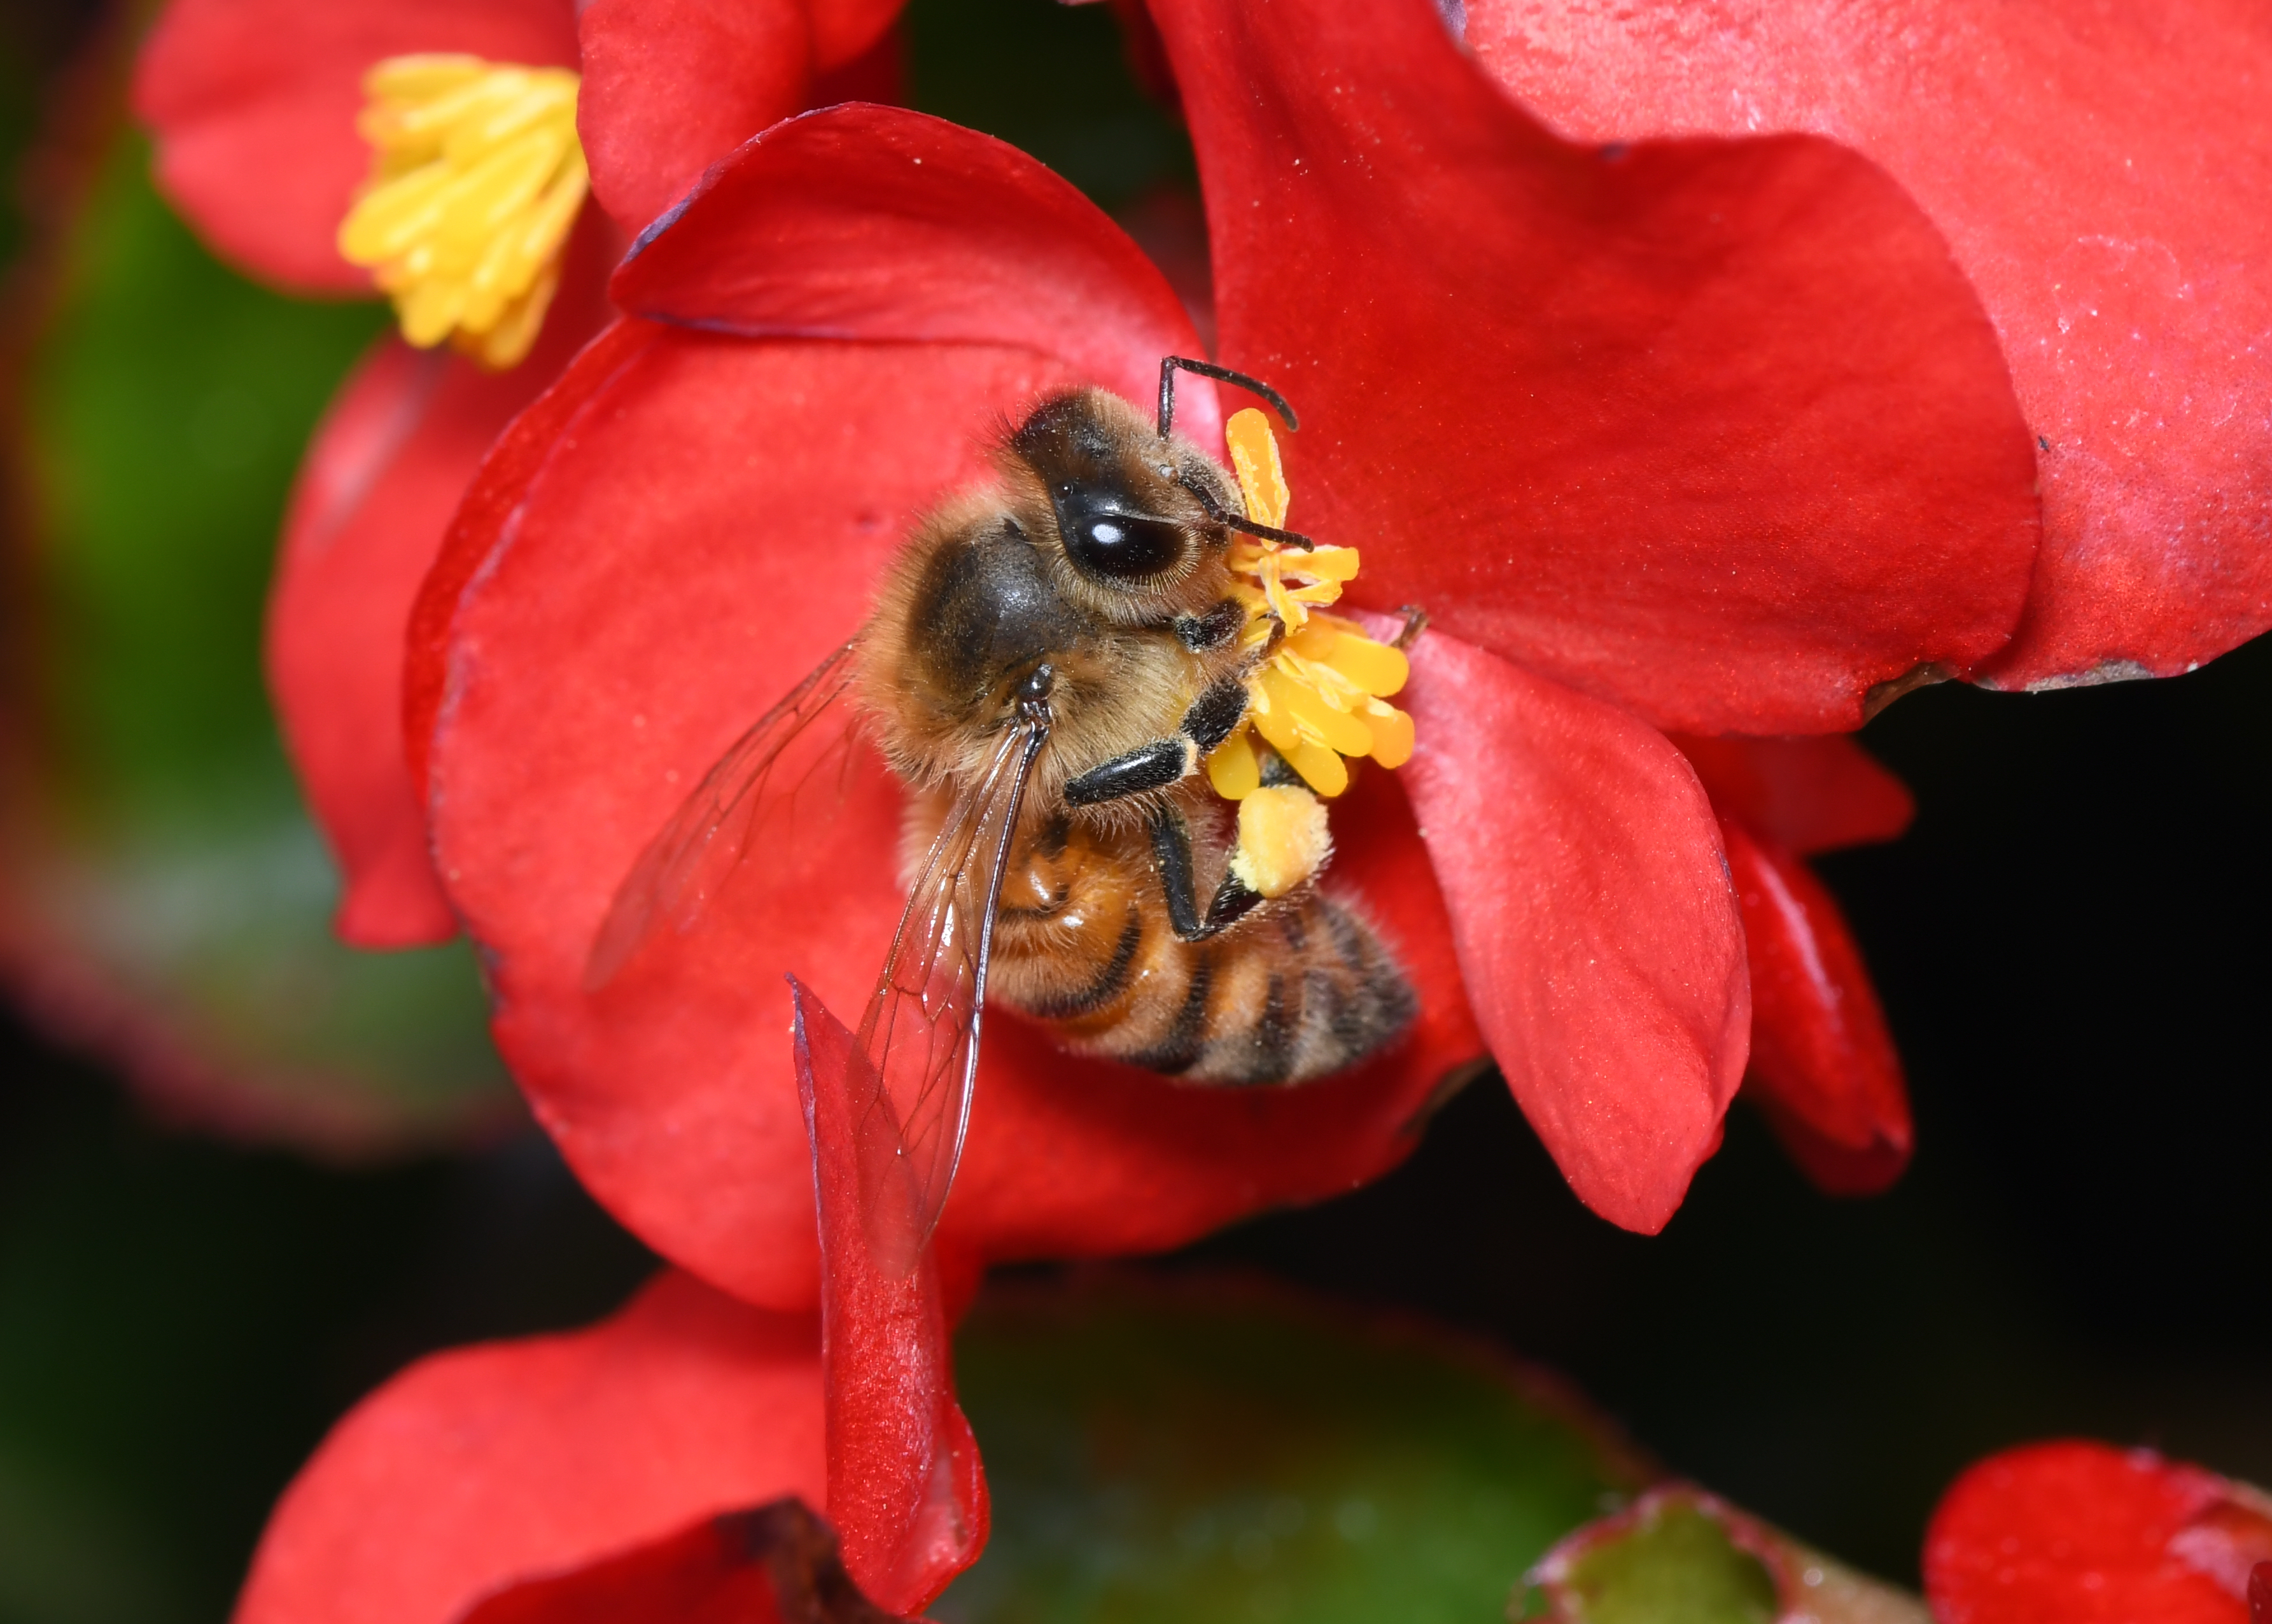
1215 712
1215 629
1171 853
1233 899
1223 515
1170 365
1149 767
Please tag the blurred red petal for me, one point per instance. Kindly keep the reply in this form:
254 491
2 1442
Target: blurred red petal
2075 1533
383 476
1823 1067
658 550
904 1485
2099 173
775 1564
672 85
1714 429
1590 906
875 222
489 1464
254 103
1805 795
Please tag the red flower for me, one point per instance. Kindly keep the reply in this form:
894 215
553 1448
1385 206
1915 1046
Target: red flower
2074 1532
496 1462
611 1474
1708 436
2098 173
254 105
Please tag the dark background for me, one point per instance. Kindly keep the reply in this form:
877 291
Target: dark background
2070 945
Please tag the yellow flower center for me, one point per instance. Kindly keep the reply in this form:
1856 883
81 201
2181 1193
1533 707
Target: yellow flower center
1321 694
477 178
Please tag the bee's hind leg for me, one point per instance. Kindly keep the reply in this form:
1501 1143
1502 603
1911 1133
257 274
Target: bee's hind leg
1171 854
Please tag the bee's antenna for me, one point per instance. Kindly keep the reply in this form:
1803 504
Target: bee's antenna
1168 366
1223 516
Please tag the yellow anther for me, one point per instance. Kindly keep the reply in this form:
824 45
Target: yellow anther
477 180
1320 695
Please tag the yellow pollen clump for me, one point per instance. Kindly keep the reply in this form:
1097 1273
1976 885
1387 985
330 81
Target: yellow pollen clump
1282 839
1321 693
476 179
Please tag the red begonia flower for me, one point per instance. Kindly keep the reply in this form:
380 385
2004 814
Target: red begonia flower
2075 1533
496 1463
560 1478
2099 174
254 104
1714 433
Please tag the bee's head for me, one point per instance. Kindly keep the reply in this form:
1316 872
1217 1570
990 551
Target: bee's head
1120 503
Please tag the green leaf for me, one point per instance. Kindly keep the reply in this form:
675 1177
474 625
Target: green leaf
1213 1454
171 901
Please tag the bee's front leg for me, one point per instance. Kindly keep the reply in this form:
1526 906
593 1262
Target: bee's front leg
1166 760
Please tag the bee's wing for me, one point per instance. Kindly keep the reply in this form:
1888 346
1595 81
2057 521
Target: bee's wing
691 855
920 1031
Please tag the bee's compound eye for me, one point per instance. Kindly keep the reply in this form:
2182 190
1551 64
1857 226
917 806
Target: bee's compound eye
1124 546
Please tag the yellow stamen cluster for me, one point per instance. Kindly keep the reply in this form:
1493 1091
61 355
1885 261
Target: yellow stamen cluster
1321 694
476 179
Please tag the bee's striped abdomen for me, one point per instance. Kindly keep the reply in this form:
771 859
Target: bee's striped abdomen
1300 989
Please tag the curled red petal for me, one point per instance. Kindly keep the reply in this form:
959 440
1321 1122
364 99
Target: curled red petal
1806 795
2074 1532
658 550
486 1465
905 1484
1591 910
1823 1066
1715 430
382 477
253 103
2099 173
774 1564
875 222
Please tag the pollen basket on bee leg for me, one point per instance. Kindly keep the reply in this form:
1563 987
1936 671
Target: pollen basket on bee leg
477 177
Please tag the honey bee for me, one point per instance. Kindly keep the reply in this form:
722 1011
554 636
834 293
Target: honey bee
1049 660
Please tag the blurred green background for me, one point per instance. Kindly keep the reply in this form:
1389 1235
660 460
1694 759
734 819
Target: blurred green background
2071 946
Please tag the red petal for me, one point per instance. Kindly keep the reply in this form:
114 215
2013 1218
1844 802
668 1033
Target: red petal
904 1481
775 1564
1807 794
383 475
487 1464
672 85
1591 910
2074 1533
254 103
658 550
1713 430
2099 173
875 222
1823 1067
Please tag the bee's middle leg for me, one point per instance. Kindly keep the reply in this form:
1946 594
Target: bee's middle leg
1165 761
